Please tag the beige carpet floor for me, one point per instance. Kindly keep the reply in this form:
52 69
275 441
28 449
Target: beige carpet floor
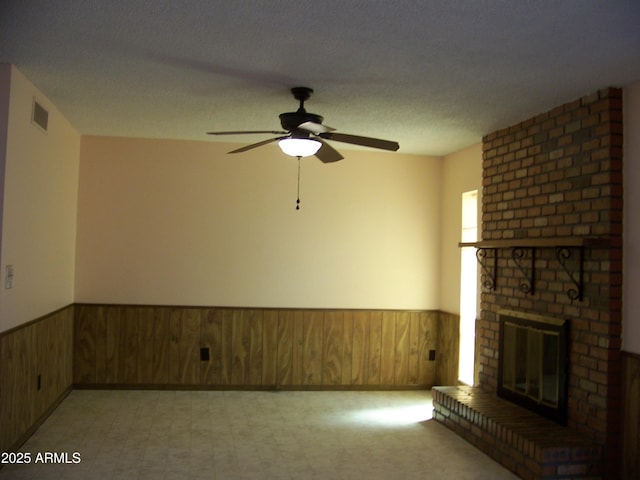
232 435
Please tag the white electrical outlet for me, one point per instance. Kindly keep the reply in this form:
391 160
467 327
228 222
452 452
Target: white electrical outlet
8 278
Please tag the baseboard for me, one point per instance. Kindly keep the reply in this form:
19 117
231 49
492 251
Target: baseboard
265 388
31 430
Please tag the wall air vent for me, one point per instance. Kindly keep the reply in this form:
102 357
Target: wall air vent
39 116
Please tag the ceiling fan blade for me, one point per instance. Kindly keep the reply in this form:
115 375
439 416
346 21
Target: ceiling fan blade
363 141
275 132
328 154
316 128
255 145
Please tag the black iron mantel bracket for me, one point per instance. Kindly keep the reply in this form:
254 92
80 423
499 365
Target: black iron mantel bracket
564 255
519 257
489 274
569 252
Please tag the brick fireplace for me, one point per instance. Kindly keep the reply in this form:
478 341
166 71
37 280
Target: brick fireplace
552 246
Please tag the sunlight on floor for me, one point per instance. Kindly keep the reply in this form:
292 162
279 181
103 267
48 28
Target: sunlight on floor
394 416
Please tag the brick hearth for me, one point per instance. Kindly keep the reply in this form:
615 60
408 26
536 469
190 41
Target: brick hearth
525 443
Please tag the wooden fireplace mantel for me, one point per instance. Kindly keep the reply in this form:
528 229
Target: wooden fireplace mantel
523 252
547 242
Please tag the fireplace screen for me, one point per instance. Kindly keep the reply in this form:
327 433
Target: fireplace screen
532 369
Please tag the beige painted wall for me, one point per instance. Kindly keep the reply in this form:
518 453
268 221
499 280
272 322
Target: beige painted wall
179 222
631 278
38 206
461 172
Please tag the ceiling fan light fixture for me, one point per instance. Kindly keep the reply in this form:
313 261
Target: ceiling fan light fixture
299 147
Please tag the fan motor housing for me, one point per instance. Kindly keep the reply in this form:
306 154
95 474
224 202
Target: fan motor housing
291 120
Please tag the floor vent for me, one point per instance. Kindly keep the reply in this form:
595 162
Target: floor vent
40 116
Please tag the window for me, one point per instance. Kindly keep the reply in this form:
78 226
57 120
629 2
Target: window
468 288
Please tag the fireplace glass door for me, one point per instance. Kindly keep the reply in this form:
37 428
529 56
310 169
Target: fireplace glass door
532 365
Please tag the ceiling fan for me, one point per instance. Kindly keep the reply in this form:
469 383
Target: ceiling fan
304 135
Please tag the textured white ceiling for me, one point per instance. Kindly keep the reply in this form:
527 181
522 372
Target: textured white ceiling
433 75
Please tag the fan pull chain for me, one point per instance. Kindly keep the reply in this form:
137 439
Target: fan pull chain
298 200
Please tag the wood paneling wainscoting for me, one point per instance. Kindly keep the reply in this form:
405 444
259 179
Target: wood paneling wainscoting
160 346
36 368
448 349
631 416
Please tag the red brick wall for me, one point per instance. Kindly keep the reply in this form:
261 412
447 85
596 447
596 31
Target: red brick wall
559 174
